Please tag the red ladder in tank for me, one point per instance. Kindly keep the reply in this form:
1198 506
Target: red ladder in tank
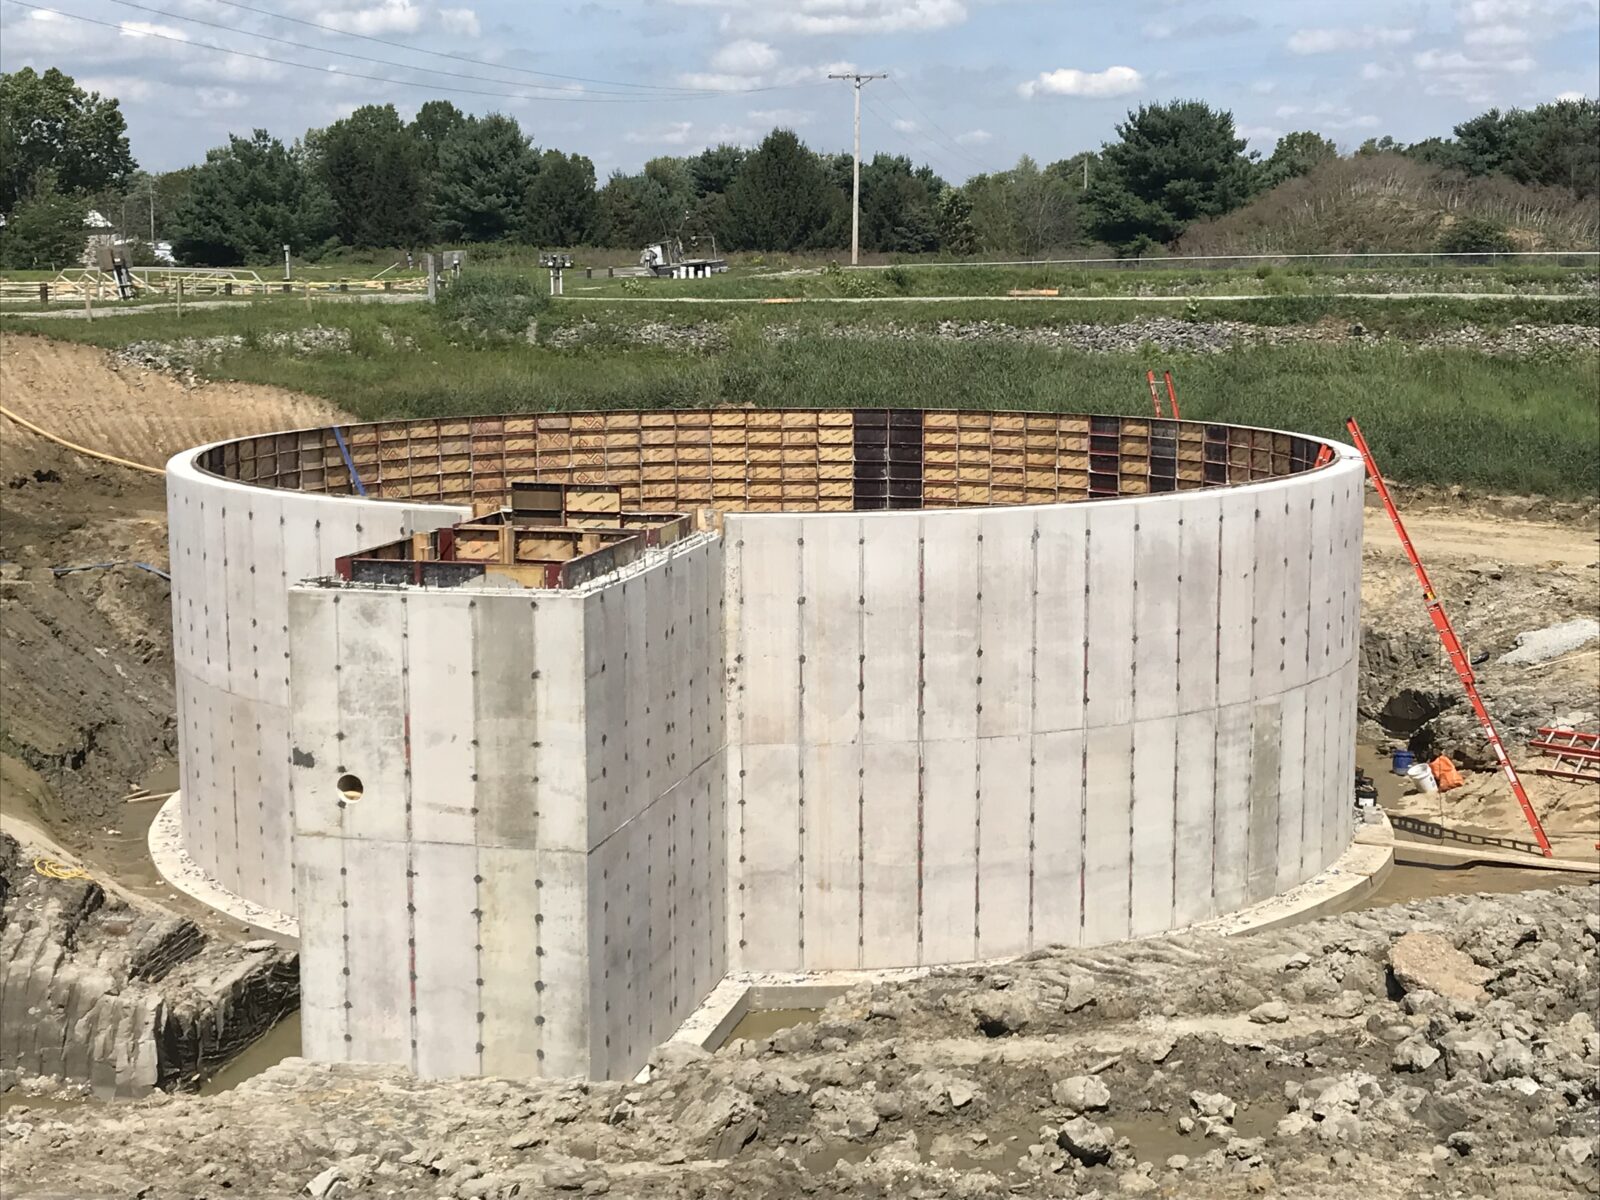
1452 644
1577 753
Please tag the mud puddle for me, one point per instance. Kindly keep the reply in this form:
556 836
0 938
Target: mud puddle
765 1023
1155 1137
271 1048
1408 881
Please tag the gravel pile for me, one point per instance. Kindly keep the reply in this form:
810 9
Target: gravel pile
1445 1047
1171 335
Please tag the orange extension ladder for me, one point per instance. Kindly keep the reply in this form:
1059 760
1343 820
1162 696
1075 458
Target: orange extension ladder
1155 398
1452 644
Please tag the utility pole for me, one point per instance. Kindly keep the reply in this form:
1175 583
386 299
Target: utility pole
856 81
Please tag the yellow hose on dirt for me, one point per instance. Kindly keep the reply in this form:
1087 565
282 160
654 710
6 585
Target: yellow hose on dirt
73 446
51 869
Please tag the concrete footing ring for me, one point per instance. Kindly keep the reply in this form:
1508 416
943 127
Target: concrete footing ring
178 869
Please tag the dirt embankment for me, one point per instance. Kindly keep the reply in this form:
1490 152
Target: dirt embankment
86 704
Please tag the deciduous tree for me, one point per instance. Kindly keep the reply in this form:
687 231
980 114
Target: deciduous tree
48 122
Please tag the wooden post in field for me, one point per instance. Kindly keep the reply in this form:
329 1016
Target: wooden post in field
44 293
88 301
308 295
180 297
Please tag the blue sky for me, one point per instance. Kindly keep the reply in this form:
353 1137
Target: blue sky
973 83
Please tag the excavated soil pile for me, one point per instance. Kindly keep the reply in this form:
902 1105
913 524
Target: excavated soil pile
1446 1047
86 698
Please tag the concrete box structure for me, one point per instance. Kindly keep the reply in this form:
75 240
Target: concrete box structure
943 687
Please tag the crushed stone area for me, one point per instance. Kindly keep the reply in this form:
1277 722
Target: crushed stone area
1444 1048
187 355
1169 334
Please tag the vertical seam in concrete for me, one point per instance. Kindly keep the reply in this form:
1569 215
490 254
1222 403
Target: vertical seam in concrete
1033 715
1133 714
1250 769
861 742
922 683
977 758
1305 680
1177 720
1083 753
411 861
344 842
800 735
1216 734
477 851
738 692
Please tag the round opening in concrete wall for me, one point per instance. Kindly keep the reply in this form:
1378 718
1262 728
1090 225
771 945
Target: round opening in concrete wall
350 789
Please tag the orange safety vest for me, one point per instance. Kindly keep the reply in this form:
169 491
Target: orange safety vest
1445 773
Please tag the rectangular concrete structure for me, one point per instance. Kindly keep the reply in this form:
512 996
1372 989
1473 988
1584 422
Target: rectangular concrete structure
536 897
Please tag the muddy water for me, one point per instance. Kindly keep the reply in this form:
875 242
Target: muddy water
766 1023
278 1043
1154 1137
1411 882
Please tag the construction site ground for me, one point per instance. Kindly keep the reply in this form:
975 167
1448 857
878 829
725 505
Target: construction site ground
899 1092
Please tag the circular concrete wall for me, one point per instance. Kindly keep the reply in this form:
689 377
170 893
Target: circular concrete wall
992 719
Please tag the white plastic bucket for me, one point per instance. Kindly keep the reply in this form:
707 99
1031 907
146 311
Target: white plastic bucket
1422 776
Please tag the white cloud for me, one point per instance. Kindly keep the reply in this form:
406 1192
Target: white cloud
1264 87
1454 62
220 98
675 134
123 87
147 29
707 82
1113 81
975 137
1571 96
781 116
1497 35
819 18
388 16
901 125
744 57
1375 72
459 20
1331 41
1259 133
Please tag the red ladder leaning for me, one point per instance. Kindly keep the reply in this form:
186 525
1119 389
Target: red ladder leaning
1452 644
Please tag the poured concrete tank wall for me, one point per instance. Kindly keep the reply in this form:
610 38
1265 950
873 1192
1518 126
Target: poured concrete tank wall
235 550
992 720
964 735
531 880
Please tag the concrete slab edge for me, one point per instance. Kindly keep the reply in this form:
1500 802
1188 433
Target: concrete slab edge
181 871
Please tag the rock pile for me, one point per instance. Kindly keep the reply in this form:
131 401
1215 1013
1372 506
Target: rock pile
1130 1070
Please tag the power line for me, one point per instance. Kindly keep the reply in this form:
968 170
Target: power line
477 62
915 107
931 151
411 83
949 152
385 62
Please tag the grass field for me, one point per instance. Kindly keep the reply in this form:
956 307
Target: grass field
952 280
1434 416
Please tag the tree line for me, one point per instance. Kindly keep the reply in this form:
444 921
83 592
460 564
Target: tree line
373 180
